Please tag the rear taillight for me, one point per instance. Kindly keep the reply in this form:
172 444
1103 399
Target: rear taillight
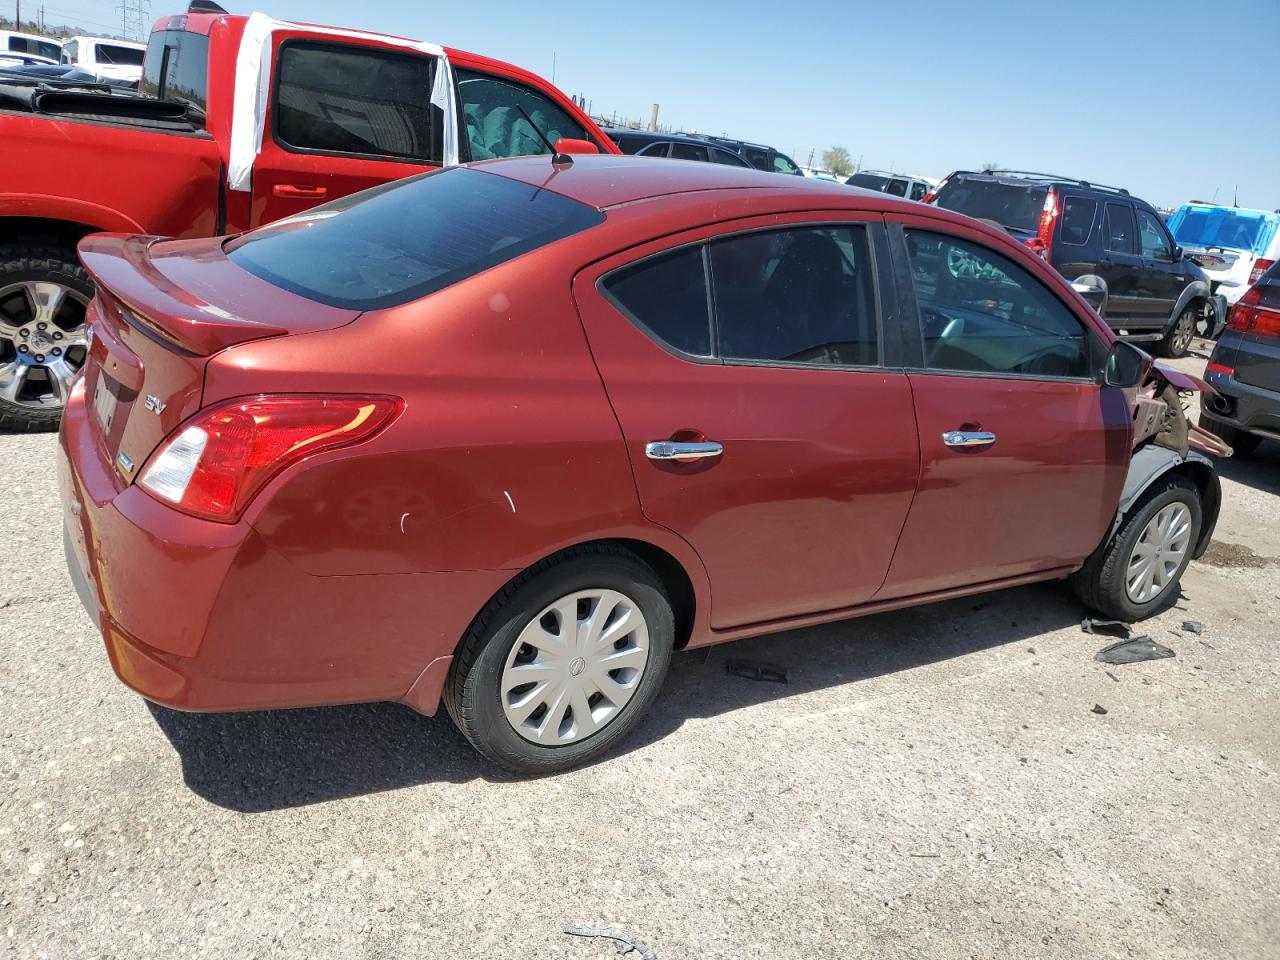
215 463
1260 267
1042 242
1220 368
1249 316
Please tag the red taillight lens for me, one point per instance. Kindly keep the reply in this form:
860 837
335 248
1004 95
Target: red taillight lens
1220 368
1043 243
1260 267
1249 316
218 460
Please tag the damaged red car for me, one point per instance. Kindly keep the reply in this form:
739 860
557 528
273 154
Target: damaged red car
509 434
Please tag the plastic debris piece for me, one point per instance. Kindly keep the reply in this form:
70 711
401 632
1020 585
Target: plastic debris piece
1134 650
1096 625
1099 709
1193 626
756 670
626 942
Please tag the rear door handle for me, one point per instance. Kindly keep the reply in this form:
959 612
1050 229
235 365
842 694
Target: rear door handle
292 191
673 450
968 438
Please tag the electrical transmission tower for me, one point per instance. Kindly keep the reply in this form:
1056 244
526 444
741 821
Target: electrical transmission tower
133 18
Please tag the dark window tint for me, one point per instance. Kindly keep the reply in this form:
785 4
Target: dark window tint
408 238
122 56
784 164
495 126
982 313
35 47
688 151
1077 219
667 296
918 190
1154 242
628 144
177 67
345 99
801 296
758 158
1118 228
1013 205
655 150
896 188
727 158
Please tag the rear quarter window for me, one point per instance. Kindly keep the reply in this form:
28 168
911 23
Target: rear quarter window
409 238
1077 219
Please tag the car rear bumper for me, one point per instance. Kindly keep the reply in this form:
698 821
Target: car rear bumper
205 616
1242 405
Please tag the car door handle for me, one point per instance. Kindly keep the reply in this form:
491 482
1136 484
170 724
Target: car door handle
292 191
674 450
968 438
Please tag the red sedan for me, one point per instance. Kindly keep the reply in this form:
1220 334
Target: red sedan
508 434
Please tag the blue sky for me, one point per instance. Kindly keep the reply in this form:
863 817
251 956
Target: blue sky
1175 100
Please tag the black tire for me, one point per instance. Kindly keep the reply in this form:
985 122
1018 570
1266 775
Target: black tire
472 690
1101 582
1241 442
1176 341
40 262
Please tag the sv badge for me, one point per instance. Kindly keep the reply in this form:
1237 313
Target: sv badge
154 404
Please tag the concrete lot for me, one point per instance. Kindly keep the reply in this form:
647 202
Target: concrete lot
930 783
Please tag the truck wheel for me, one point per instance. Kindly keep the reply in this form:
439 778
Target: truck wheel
563 662
1177 339
43 295
1241 442
1138 570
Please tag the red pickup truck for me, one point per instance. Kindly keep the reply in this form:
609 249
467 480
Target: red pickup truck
243 120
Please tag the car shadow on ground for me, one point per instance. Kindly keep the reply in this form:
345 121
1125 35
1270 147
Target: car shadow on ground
1260 469
272 760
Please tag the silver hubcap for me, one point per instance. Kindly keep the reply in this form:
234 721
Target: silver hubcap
1183 332
42 343
1158 553
574 667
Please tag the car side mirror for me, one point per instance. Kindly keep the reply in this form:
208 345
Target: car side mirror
570 145
1178 253
1127 366
1094 293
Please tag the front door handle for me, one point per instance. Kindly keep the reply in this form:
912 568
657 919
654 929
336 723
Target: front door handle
675 450
292 191
968 438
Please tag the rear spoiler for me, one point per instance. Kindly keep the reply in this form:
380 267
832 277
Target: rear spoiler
124 273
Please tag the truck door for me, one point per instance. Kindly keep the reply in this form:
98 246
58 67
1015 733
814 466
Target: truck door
343 115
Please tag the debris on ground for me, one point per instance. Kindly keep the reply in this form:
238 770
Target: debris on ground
626 942
1113 676
1193 626
1133 650
756 670
1096 625
1099 709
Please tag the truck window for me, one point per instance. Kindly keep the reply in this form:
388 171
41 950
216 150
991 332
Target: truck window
338 98
176 67
121 56
493 122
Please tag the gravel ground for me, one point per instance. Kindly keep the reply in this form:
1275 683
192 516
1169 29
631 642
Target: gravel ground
930 783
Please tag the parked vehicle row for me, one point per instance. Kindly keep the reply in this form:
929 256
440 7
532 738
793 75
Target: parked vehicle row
102 58
894 184
1235 246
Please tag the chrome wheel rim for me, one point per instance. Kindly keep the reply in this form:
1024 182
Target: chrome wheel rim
42 342
1183 333
1159 553
574 667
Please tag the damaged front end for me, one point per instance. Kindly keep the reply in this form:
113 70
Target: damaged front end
1160 414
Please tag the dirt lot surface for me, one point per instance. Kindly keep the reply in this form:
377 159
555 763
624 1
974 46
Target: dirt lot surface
932 783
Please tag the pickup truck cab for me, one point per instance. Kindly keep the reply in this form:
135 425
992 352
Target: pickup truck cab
243 120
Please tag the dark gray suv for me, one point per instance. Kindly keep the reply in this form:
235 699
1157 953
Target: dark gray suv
1245 370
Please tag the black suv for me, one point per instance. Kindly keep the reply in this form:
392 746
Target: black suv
1113 247
677 146
757 154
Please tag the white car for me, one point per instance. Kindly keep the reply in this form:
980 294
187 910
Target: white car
1235 246
895 184
28 45
108 59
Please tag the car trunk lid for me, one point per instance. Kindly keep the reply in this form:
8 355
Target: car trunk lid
162 309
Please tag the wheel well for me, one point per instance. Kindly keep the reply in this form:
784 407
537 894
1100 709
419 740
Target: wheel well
1206 481
674 578
63 233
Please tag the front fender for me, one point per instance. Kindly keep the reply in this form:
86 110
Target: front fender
1151 462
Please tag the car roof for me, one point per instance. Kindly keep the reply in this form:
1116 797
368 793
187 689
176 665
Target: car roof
654 137
606 180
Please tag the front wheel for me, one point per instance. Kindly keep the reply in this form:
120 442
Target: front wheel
563 662
1177 339
1139 569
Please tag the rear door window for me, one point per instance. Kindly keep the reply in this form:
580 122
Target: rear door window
918 190
758 158
687 151
360 101
408 238
896 188
655 150
495 125
727 158
1119 229
1077 219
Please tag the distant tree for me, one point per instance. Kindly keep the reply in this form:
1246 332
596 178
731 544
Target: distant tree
837 162
991 165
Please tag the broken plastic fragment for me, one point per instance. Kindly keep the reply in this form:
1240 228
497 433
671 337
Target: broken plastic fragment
626 942
756 670
1097 625
1193 626
1099 709
1135 650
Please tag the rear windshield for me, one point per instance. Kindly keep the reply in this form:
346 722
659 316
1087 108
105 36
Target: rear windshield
1248 230
408 238
1015 206
121 56
868 181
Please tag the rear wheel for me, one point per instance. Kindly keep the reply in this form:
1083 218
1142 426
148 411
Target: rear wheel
1242 442
1177 339
43 296
1139 569
563 662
